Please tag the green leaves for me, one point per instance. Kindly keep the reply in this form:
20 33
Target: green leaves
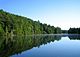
74 31
18 25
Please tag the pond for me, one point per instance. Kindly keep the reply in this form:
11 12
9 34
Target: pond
52 45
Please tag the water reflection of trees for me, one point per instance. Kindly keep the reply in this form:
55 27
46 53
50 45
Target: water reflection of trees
17 44
74 37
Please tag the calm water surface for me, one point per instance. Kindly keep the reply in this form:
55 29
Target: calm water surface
40 46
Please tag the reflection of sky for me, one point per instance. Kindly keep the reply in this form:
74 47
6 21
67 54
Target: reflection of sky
63 48
62 13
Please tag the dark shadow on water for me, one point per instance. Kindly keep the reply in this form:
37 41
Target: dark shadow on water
17 44
74 37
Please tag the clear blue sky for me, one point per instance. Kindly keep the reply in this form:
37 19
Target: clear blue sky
62 13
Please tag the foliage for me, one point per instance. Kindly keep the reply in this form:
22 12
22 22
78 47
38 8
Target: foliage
65 31
11 24
74 31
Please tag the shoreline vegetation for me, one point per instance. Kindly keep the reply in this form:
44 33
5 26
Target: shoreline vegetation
11 24
74 31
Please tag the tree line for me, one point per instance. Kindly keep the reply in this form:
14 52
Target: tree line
74 31
11 24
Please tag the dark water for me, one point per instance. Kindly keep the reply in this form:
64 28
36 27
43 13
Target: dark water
40 46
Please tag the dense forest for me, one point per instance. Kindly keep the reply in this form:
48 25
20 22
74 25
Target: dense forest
74 31
64 31
11 24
